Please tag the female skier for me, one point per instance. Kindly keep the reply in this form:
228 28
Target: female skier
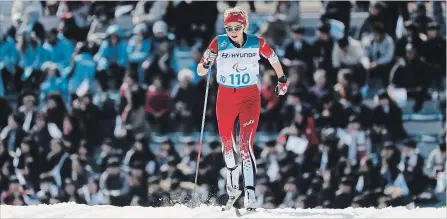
236 54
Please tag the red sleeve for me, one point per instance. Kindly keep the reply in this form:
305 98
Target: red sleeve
267 51
212 47
264 48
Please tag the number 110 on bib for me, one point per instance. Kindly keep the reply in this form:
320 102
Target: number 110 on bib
238 79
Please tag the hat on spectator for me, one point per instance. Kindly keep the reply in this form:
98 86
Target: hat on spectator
114 30
343 42
389 145
214 144
153 180
13 179
433 26
140 28
349 181
113 162
383 94
298 29
160 27
17 118
442 147
324 27
409 143
409 25
378 27
327 98
172 161
270 143
356 98
296 93
137 164
188 140
46 178
354 119
379 5
160 139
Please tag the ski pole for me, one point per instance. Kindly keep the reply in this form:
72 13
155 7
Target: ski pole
201 135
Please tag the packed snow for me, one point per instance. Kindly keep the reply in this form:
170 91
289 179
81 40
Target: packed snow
71 210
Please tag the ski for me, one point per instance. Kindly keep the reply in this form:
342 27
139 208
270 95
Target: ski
240 213
231 201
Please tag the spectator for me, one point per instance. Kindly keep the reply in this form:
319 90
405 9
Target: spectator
407 73
330 113
113 184
395 190
299 52
158 104
27 19
60 48
295 103
322 48
340 11
148 11
269 103
91 116
377 14
183 101
412 166
32 57
75 25
40 133
421 20
135 126
102 19
28 109
138 48
348 53
55 110
379 49
434 52
320 87
91 193
358 108
52 82
82 68
387 117
9 62
436 167
111 58
12 135
5 111
345 86
411 36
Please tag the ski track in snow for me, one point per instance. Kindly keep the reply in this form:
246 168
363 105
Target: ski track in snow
71 210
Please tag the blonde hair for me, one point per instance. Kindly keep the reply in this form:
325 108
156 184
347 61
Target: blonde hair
185 73
238 10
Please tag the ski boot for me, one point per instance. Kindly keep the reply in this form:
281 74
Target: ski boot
233 190
250 199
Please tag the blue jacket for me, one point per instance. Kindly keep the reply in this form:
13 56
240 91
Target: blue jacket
140 55
9 55
83 67
60 53
33 58
108 53
53 84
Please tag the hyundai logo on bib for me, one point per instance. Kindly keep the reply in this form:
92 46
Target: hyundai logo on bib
237 68
238 55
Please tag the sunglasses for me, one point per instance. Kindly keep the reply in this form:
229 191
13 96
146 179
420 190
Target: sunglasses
235 28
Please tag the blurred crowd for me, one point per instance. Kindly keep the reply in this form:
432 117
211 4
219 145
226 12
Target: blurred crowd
66 139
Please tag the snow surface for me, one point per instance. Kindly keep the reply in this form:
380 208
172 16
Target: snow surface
71 210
